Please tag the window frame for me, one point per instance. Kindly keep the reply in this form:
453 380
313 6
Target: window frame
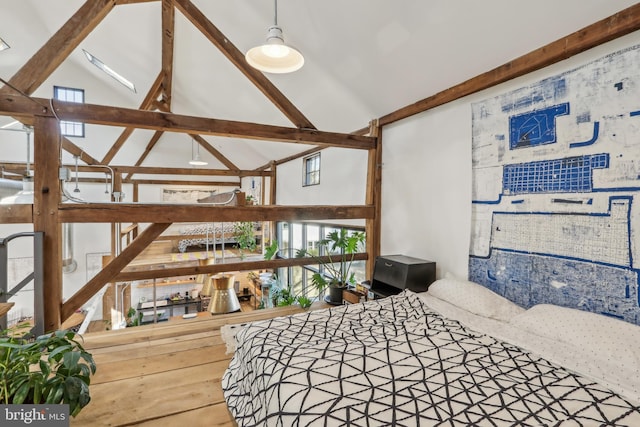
288 274
311 176
65 125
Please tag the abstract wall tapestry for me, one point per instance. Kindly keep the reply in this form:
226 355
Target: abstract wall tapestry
556 189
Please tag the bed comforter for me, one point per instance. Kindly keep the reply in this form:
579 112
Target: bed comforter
397 362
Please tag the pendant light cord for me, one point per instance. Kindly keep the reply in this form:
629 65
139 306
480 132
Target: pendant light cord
275 13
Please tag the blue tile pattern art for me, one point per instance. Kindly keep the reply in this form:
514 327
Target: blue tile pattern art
537 127
571 174
554 215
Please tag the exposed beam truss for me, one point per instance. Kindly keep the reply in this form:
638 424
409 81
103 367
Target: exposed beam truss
154 120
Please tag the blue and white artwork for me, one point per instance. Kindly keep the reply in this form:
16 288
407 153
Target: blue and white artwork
556 187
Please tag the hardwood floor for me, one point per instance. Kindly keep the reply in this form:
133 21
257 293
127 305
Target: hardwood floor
166 374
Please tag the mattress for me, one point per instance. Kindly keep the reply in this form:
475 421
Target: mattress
398 361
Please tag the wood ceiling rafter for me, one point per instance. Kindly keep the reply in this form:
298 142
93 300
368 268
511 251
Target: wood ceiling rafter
233 54
19 167
217 154
189 183
44 62
620 24
119 2
147 103
40 66
168 27
116 116
305 153
122 212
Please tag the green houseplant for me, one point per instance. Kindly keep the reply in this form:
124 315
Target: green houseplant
52 369
243 232
340 246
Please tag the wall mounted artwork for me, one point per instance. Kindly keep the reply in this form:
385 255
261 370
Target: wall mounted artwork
556 189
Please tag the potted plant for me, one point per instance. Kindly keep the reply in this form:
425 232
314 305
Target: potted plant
243 232
52 369
340 246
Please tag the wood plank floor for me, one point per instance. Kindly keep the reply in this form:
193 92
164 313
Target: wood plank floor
166 374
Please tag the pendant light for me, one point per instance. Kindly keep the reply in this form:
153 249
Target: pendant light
274 56
195 158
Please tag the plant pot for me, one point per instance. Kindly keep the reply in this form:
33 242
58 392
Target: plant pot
335 294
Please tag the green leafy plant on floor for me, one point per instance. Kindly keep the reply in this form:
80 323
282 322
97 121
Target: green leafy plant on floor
282 296
134 317
52 369
340 246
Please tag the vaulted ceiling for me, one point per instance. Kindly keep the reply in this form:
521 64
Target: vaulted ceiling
364 59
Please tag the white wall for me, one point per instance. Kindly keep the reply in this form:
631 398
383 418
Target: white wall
426 187
426 173
343 178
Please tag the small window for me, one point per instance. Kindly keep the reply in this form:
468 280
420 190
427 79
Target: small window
70 95
311 170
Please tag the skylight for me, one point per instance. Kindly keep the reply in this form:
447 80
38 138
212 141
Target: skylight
3 45
101 65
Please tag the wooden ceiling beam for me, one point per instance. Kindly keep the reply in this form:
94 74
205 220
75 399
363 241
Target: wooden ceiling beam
146 104
615 26
78 152
187 183
37 69
156 170
119 2
217 154
233 54
115 116
168 26
123 212
19 167
308 152
16 214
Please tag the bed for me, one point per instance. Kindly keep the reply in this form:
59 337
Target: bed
457 355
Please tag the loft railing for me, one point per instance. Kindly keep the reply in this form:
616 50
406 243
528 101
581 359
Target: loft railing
36 276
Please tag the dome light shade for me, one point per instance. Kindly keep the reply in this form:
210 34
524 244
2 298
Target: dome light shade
196 161
274 56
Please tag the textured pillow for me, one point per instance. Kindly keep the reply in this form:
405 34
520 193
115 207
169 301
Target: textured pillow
475 298
598 336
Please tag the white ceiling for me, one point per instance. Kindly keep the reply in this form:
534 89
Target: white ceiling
364 59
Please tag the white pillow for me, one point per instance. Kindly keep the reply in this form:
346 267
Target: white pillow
475 298
595 335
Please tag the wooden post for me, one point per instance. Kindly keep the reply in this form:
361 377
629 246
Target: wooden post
272 197
47 196
374 188
272 186
136 197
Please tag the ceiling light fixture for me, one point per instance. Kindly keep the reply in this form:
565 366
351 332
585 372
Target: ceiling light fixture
274 56
3 45
101 65
195 158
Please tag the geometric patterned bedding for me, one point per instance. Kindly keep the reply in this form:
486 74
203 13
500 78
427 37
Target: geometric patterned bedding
396 362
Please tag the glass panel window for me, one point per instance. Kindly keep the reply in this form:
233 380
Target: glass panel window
70 95
295 236
311 170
